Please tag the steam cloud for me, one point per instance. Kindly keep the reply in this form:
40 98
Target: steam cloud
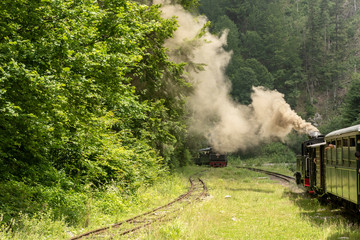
227 125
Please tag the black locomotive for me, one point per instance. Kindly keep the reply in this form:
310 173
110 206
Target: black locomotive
330 164
207 156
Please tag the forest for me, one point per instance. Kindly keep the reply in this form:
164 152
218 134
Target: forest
307 50
89 96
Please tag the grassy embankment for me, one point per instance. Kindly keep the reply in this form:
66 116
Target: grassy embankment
104 208
257 208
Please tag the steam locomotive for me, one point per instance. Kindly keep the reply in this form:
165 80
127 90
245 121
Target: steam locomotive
330 164
207 156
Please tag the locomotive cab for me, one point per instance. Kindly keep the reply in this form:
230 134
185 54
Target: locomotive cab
316 167
310 168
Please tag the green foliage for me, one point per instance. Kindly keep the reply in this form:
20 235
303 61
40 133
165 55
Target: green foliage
242 81
244 75
97 207
222 23
277 152
189 4
351 109
258 208
84 101
39 226
294 141
212 9
349 113
23 198
332 124
271 152
308 48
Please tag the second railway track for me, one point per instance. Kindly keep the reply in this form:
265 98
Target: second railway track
166 212
274 174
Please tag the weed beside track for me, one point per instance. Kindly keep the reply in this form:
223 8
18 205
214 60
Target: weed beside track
166 212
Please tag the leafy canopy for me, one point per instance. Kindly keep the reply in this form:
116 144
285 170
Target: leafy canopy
82 95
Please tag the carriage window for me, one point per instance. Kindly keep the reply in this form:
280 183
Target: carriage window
345 152
328 153
338 150
333 153
352 150
352 142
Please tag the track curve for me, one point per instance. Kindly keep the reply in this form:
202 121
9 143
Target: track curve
166 212
274 174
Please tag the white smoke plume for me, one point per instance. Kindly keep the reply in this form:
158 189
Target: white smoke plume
227 125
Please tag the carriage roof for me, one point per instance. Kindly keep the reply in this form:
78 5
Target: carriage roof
349 130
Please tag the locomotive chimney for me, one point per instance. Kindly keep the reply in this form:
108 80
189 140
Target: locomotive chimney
314 134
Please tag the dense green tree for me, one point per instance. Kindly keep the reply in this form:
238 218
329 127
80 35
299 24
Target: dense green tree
187 4
84 97
309 47
265 36
252 45
224 23
212 9
351 108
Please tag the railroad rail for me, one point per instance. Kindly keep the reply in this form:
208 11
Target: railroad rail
277 175
166 212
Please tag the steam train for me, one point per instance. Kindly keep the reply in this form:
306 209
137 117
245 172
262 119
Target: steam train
207 156
330 165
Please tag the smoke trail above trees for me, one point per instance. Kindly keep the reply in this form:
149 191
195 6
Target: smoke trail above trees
227 125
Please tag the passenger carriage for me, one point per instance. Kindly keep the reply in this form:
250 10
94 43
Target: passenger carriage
341 165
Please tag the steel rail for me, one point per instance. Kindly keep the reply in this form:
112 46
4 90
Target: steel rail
196 191
277 175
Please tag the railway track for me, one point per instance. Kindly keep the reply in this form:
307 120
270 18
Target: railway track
166 212
274 174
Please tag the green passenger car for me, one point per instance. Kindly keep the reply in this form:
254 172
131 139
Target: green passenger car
341 165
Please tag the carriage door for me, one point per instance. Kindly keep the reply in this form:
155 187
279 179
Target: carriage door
307 171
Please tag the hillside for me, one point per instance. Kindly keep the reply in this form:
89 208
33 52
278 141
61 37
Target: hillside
307 50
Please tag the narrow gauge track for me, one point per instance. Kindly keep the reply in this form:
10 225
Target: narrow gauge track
166 212
277 175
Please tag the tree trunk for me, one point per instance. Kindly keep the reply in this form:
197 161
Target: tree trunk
325 41
355 5
297 5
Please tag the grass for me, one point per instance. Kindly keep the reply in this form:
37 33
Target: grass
103 209
286 168
257 209
241 205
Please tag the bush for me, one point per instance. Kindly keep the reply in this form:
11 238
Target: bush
84 101
277 152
